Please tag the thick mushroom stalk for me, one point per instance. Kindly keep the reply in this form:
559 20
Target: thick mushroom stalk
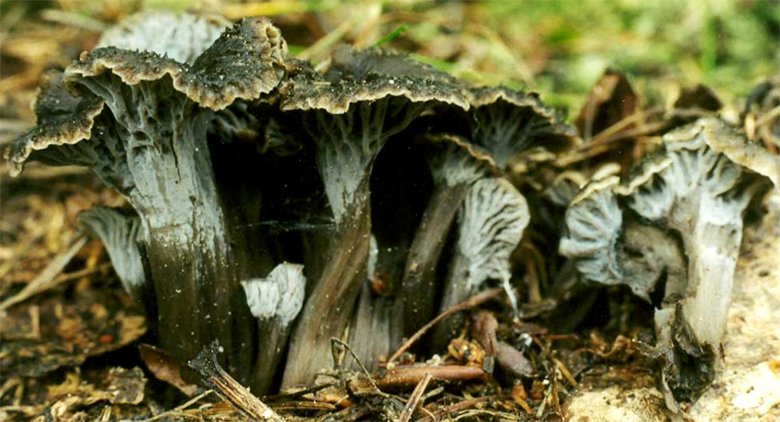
139 121
369 97
672 234
275 301
455 165
400 190
345 160
492 220
372 332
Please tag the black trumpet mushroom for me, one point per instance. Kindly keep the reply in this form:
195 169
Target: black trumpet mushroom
119 234
275 301
455 165
491 222
139 120
671 232
350 111
506 122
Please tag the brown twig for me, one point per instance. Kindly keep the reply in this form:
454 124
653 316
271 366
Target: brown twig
471 302
565 372
462 405
306 406
407 376
414 399
176 410
230 389
289 395
47 278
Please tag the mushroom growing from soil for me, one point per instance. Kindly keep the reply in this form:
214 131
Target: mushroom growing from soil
491 223
362 99
501 123
139 121
119 234
671 233
455 165
275 301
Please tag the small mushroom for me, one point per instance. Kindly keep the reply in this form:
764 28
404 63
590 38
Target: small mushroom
491 223
610 254
510 125
362 100
139 121
506 122
671 233
501 124
275 301
455 165
119 234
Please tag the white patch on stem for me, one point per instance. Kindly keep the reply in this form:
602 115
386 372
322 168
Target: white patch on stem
279 295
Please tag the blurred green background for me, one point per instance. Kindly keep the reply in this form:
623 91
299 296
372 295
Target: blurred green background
556 47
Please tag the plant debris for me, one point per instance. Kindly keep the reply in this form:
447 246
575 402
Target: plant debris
338 179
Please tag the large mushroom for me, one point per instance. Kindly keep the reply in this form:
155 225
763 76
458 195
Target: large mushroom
501 123
362 100
671 233
139 121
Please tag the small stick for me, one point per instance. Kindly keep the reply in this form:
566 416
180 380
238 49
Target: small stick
404 377
179 408
414 399
465 404
230 389
305 405
565 372
81 273
546 398
412 375
471 302
46 279
288 395
363 368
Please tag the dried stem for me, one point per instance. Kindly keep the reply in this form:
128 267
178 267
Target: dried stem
471 302
414 399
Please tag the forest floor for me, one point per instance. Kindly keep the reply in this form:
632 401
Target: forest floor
74 346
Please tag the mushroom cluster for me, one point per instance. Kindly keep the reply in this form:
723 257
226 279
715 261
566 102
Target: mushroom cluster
671 232
277 206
